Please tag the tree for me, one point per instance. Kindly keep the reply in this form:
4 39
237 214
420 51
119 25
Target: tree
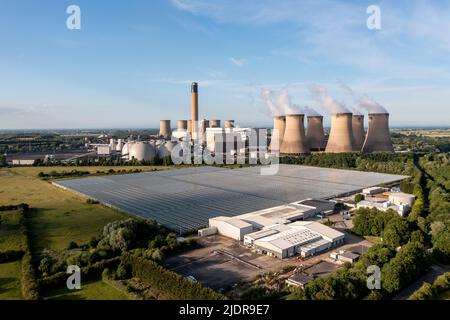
397 232
359 197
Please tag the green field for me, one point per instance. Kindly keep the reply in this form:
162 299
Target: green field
10 236
96 290
10 274
60 216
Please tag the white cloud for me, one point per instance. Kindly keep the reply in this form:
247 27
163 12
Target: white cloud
238 62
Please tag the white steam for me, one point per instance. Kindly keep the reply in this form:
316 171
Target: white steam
280 103
320 94
363 102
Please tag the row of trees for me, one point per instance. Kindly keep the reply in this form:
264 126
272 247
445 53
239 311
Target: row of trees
170 283
432 291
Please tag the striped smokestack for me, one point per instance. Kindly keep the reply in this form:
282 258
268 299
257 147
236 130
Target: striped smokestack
194 106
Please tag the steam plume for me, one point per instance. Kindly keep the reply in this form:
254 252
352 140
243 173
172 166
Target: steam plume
363 102
320 94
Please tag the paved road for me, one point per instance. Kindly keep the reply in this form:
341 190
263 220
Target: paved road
435 272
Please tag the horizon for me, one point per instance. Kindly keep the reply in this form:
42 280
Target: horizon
131 65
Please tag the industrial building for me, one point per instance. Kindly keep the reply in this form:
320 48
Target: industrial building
185 199
280 231
397 201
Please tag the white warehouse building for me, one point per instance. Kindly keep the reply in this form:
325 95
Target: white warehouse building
279 231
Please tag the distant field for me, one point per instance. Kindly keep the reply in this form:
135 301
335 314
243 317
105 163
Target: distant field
10 274
97 290
10 236
428 133
60 216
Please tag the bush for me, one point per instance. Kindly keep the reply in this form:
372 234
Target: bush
359 197
72 245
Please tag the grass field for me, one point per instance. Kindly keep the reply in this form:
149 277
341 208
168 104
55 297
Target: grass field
10 281
59 216
97 290
10 236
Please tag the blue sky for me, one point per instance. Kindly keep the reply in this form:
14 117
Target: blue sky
132 61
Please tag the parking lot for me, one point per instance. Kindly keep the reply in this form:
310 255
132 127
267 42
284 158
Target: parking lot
222 262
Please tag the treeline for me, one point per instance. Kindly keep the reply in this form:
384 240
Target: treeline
171 284
379 162
398 269
434 290
29 285
80 173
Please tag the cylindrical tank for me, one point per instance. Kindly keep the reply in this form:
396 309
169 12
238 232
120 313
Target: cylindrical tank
182 125
279 123
358 131
315 136
229 124
141 151
164 129
294 139
341 134
378 137
214 123
165 149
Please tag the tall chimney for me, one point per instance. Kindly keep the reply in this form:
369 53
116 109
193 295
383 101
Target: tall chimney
294 139
194 106
341 134
164 129
315 136
214 123
378 137
182 125
358 131
279 122
229 124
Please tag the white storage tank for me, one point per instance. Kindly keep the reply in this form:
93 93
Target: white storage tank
141 151
165 149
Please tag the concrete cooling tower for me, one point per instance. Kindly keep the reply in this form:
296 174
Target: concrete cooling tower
229 124
378 137
315 136
294 139
214 124
279 123
165 149
341 134
182 125
164 129
203 125
189 126
358 131
141 151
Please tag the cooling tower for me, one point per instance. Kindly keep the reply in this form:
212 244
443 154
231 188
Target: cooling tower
378 137
341 134
141 151
214 124
358 131
194 105
203 125
229 124
315 136
279 123
164 128
182 125
189 126
294 139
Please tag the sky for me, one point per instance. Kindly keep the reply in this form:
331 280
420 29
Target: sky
132 62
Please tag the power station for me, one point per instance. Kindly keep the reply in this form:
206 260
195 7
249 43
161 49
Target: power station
345 135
